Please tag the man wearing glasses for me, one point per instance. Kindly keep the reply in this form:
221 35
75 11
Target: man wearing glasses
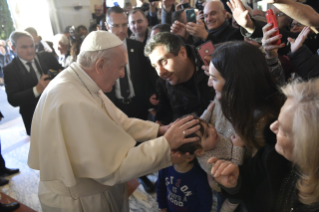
282 19
98 14
131 93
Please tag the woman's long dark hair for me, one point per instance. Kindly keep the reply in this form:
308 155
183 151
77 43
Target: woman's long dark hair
250 92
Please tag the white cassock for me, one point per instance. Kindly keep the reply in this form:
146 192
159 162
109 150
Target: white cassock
84 147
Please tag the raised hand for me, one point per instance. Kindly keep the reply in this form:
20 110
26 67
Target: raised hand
225 172
296 44
268 41
197 29
241 15
179 28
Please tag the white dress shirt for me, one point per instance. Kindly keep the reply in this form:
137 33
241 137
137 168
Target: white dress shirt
38 74
117 82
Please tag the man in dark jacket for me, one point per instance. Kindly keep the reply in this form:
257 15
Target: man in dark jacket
218 28
183 88
26 76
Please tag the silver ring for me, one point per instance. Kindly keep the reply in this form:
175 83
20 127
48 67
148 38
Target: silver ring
184 133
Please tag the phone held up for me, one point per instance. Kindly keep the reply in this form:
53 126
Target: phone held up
190 15
271 18
206 49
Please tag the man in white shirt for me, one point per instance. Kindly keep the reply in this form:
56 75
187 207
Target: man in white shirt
25 77
84 146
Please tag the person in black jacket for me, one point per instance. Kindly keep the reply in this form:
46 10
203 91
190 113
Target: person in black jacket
305 63
131 93
218 28
183 85
248 95
26 76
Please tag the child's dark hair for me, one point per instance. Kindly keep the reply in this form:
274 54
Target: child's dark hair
193 146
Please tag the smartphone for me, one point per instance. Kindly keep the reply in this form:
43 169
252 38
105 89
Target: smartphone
153 0
190 15
271 18
206 49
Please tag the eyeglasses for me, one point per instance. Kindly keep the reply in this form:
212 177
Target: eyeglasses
281 14
98 10
296 24
118 25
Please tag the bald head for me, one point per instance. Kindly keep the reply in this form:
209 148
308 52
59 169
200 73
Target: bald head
214 14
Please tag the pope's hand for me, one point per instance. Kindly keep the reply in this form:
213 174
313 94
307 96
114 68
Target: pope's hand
175 135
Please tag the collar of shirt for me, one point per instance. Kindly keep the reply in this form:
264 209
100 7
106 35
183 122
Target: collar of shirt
25 62
125 44
87 80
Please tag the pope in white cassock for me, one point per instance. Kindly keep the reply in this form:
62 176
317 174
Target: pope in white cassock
84 146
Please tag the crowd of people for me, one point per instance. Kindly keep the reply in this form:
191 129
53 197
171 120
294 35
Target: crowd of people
132 95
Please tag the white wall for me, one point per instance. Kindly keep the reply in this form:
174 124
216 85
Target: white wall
31 13
67 15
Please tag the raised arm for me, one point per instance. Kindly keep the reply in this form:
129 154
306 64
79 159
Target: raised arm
304 14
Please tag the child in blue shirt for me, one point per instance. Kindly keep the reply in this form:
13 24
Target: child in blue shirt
184 186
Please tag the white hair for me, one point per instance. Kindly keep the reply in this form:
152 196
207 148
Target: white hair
305 137
60 38
87 59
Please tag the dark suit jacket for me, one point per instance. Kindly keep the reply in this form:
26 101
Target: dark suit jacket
143 77
20 90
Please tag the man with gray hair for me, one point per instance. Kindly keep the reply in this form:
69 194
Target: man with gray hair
84 146
26 76
61 46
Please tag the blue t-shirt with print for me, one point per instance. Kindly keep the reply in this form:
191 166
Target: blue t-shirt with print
187 191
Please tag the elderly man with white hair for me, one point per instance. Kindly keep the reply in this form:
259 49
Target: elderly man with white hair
61 45
84 146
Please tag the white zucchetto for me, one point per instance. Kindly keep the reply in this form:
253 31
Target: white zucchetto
100 40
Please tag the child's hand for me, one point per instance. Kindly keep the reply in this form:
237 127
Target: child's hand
211 106
237 141
225 172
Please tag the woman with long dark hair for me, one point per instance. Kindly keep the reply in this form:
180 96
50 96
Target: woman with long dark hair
276 178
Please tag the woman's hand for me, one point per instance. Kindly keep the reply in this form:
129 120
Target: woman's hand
225 172
267 41
296 44
241 15
206 68
176 134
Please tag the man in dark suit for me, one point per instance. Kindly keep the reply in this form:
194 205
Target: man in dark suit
131 93
26 76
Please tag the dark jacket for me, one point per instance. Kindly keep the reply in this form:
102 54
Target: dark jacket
305 63
19 86
143 78
192 96
227 33
268 181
